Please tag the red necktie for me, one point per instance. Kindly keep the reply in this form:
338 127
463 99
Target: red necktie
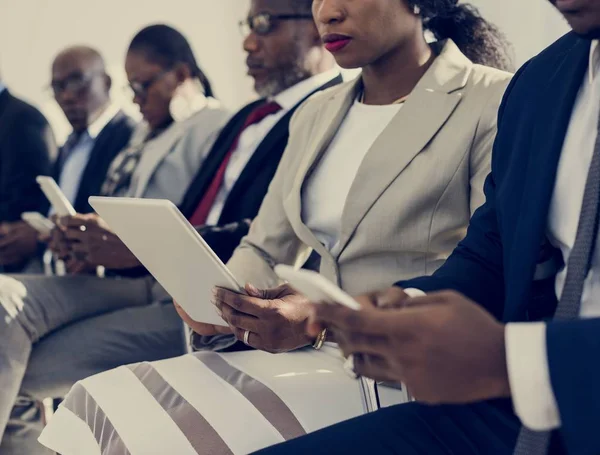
201 213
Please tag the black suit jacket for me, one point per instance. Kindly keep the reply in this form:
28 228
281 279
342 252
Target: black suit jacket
27 148
113 138
246 196
497 263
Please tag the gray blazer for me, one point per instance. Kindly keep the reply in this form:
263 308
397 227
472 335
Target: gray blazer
171 160
415 190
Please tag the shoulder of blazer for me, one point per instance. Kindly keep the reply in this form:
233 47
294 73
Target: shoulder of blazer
235 123
281 130
214 158
21 111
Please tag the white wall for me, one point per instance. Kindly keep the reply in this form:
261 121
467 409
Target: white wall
32 32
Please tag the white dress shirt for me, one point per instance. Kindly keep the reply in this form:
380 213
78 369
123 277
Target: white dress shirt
527 360
326 190
78 152
2 87
252 137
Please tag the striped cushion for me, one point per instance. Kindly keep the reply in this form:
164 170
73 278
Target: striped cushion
205 403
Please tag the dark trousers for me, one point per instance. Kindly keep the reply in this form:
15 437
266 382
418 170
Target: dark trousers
489 428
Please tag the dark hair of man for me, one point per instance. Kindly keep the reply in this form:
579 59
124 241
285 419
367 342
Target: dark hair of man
167 47
478 39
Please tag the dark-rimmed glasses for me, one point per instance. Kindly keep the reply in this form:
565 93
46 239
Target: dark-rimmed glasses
75 83
264 23
140 89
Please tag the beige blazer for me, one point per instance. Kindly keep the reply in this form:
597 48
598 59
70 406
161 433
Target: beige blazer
415 190
171 160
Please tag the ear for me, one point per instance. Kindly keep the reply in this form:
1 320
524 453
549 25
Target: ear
182 72
108 82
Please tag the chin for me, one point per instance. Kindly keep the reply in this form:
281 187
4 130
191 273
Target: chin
584 24
591 33
349 62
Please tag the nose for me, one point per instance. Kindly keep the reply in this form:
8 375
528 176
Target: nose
137 99
328 11
65 97
251 43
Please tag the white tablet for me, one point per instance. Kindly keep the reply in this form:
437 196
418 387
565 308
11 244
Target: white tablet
38 222
315 286
60 203
170 248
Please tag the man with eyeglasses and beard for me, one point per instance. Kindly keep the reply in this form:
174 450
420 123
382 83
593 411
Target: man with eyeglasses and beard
288 63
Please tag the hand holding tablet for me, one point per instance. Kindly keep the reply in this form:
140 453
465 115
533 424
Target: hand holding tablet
315 286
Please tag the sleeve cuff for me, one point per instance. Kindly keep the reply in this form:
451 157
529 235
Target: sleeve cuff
529 376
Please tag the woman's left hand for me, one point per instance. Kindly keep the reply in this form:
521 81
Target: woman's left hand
276 318
92 241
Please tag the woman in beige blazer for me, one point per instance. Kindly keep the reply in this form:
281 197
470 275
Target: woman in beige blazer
377 200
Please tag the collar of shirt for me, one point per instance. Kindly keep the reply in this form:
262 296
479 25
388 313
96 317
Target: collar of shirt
293 95
2 87
594 60
98 125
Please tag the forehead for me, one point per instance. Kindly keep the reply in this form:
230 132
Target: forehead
271 6
67 64
139 68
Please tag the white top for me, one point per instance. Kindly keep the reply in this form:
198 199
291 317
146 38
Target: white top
252 137
326 190
527 359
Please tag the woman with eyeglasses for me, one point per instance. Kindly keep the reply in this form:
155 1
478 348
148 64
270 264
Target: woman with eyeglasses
379 180
181 118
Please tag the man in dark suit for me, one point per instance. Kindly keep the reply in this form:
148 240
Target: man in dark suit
27 148
515 311
100 129
229 188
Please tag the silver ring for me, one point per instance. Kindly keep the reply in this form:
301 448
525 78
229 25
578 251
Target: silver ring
246 337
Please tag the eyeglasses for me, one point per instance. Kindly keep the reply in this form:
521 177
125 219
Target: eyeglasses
75 83
140 89
263 23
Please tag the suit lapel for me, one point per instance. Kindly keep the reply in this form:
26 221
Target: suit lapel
326 125
214 159
99 152
266 150
427 109
555 107
154 153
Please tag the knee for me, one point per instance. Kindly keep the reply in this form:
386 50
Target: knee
12 298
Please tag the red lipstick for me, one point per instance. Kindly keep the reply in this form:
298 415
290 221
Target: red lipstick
335 42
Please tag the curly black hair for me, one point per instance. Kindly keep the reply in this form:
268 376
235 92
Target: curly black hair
481 41
167 47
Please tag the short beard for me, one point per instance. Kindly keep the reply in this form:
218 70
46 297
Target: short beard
282 81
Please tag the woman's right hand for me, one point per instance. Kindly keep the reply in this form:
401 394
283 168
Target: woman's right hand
199 327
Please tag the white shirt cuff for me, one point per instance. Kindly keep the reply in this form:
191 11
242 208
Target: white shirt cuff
414 292
529 376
